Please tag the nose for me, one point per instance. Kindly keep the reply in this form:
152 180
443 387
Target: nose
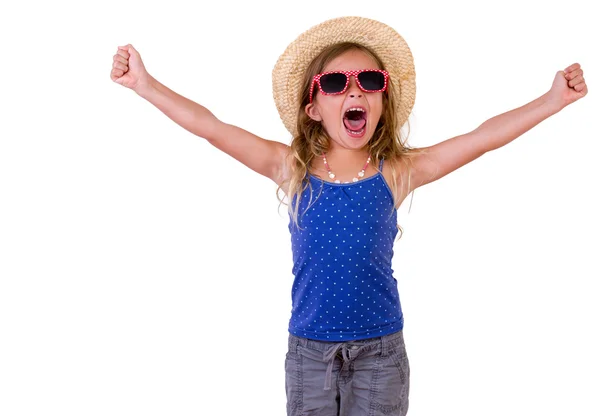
353 90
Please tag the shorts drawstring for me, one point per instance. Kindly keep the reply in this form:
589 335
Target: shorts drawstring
329 356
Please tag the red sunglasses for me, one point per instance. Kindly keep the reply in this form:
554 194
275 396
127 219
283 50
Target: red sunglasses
336 82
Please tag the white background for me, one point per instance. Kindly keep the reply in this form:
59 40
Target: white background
143 272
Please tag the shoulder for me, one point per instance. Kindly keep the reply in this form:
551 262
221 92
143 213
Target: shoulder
401 173
286 167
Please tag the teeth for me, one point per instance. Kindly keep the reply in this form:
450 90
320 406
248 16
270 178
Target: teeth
356 133
355 109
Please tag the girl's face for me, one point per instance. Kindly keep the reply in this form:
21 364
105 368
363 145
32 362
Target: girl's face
345 126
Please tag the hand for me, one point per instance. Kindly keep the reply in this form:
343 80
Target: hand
568 86
128 69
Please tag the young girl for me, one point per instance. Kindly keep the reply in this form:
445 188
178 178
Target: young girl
344 89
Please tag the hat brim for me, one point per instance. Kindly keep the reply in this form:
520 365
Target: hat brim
383 40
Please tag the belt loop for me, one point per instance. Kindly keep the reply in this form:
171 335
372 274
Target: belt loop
293 343
385 345
303 342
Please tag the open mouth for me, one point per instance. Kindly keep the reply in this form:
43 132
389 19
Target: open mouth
355 120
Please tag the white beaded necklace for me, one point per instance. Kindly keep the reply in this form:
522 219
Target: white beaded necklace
361 174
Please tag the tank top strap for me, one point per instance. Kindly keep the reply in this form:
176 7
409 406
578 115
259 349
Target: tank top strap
381 165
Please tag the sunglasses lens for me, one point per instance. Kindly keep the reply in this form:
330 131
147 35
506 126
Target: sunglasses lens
371 80
333 83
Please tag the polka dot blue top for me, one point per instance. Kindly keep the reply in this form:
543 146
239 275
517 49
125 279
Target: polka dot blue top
344 287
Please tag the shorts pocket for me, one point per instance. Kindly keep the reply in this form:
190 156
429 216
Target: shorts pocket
293 383
390 385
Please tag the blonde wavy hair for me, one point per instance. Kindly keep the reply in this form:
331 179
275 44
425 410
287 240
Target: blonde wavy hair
312 140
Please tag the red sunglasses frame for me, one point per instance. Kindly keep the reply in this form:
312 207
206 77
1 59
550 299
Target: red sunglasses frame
317 79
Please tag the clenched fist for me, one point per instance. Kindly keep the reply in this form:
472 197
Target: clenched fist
568 86
128 68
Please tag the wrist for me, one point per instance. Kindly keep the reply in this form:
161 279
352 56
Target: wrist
145 87
552 102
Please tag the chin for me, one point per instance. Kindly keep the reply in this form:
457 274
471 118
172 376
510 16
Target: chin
357 140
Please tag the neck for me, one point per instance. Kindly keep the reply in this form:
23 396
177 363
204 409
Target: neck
355 177
347 154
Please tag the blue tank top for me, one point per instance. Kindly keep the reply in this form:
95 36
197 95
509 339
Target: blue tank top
344 287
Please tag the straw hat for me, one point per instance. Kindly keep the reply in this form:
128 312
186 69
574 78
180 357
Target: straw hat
380 38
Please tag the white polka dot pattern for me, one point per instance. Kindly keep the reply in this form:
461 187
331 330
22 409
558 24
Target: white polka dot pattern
344 287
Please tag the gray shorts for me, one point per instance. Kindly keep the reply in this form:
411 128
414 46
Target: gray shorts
367 378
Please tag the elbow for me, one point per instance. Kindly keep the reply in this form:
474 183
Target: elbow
208 128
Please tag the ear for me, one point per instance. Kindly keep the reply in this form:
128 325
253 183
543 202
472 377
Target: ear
313 112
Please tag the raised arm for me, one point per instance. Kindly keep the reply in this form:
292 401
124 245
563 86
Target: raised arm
438 160
265 157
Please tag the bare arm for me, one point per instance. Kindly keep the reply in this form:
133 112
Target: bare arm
438 160
262 156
